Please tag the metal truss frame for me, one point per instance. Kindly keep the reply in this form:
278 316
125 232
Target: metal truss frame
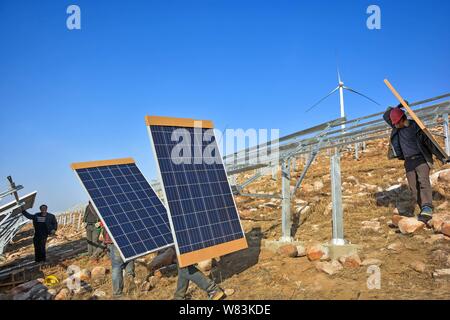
326 136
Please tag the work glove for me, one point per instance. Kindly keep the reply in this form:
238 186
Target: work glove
98 224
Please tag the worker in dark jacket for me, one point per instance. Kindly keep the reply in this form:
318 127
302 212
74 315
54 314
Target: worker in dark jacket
91 221
409 143
44 224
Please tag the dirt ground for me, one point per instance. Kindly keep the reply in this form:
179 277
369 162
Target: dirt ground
258 273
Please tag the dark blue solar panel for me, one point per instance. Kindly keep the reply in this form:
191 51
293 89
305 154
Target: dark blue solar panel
134 215
201 204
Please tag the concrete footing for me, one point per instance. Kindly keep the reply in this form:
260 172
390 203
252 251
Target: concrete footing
274 245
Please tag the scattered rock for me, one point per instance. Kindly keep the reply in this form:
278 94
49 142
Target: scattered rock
434 238
64 294
303 209
395 188
98 273
442 206
371 262
396 219
288 250
445 228
329 267
317 252
153 281
371 227
53 292
410 225
146 286
371 187
439 256
99 293
229 292
301 251
418 266
318 185
205 265
352 261
438 220
444 176
328 209
441 273
396 247
353 179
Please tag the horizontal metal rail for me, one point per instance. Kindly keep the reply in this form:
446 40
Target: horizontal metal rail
356 130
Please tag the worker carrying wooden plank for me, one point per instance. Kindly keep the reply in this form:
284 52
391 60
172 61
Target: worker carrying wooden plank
408 142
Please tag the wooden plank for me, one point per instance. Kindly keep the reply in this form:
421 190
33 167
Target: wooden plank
415 118
101 163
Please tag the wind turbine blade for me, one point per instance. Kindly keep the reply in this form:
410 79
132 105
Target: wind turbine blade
338 74
318 102
337 66
362 95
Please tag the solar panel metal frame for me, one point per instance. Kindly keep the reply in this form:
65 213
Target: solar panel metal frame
101 163
27 200
214 251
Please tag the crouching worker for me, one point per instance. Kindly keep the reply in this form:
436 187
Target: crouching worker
409 143
44 224
118 266
185 275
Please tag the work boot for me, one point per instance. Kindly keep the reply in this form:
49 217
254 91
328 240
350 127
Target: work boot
426 214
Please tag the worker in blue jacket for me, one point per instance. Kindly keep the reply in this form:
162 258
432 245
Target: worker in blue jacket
44 224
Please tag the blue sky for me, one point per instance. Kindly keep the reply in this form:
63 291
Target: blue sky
68 96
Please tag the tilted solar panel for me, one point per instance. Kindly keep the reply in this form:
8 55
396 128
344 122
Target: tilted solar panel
132 213
201 207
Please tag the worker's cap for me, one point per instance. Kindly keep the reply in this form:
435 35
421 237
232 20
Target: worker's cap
396 115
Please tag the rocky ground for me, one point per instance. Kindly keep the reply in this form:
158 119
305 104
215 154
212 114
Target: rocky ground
411 259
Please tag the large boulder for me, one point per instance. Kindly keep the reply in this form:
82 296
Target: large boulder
396 219
410 225
98 273
316 252
330 268
352 261
63 294
439 219
205 265
288 250
444 176
445 228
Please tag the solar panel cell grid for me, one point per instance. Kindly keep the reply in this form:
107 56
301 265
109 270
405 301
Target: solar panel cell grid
201 204
135 217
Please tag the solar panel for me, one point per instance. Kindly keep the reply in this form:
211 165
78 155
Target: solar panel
203 215
132 213
27 200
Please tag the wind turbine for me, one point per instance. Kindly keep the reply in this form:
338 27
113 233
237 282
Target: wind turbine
341 87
